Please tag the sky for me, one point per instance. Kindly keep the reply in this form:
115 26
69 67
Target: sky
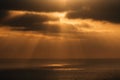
59 29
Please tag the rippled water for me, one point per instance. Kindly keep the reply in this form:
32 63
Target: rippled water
60 69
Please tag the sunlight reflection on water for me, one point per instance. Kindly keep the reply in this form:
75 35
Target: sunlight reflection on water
60 70
62 67
68 69
55 65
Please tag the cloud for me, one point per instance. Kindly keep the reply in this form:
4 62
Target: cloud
29 21
3 14
31 5
27 33
51 23
105 10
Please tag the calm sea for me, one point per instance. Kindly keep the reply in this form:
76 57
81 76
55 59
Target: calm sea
46 69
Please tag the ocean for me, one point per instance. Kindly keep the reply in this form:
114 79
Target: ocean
60 69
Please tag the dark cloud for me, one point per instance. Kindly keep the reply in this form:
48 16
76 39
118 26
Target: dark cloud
39 21
31 22
31 5
106 10
3 14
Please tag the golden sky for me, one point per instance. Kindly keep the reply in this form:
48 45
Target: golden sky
64 31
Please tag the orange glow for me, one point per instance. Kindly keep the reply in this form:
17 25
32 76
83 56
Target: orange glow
60 2
68 69
55 65
63 1
62 44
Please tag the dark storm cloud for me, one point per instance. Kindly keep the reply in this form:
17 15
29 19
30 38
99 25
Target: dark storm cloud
106 10
30 21
31 5
3 14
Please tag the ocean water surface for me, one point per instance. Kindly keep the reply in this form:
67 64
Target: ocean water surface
46 69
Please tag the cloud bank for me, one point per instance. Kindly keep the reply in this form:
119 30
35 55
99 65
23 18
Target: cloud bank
79 29
107 10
